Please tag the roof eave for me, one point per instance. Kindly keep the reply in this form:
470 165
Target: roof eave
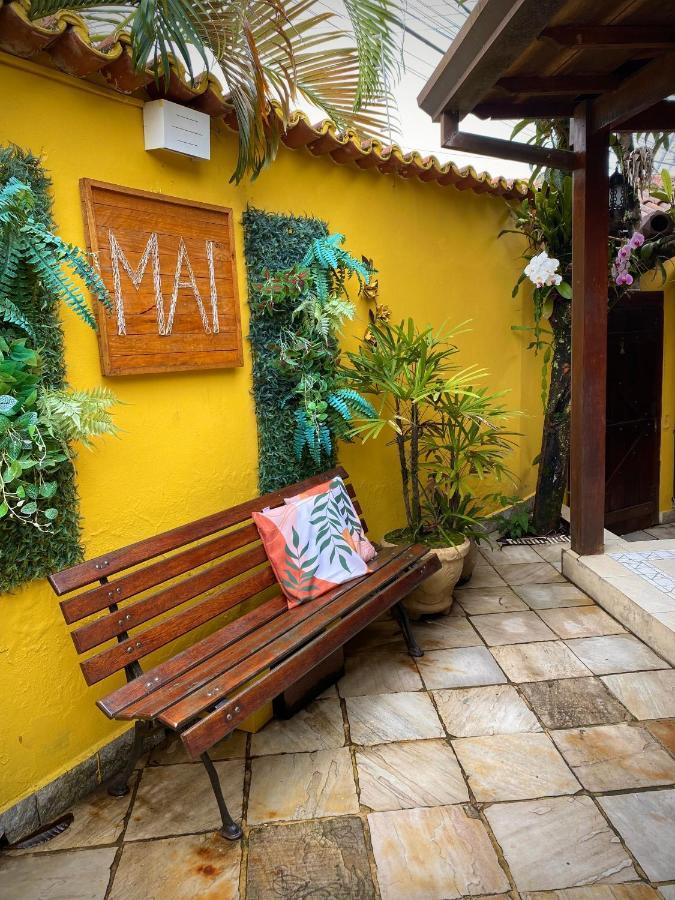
493 37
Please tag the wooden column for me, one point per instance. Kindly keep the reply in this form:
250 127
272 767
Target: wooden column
589 333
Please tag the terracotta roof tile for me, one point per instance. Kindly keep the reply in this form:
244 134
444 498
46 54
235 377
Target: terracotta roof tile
66 41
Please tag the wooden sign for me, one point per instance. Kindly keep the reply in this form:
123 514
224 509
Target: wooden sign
169 267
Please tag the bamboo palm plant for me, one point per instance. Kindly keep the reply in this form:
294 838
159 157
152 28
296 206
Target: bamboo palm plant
266 51
451 436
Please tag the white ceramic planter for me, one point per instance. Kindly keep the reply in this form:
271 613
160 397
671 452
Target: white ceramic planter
434 596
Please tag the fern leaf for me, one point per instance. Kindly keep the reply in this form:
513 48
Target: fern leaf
10 312
339 406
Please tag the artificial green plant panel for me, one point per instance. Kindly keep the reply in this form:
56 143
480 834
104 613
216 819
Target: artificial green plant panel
27 553
273 243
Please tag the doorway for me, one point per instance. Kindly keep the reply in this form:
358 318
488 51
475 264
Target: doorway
634 382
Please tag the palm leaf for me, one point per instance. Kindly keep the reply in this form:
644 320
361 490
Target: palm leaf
374 22
266 50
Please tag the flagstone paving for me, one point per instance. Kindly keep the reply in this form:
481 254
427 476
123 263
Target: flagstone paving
615 653
494 709
539 662
547 596
528 754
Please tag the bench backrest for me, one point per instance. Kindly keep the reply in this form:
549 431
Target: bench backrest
230 567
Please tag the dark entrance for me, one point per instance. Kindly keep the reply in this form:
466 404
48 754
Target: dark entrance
634 379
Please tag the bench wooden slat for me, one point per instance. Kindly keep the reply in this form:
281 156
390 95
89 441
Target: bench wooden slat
107 627
116 560
207 731
98 598
98 667
243 661
115 703
216 663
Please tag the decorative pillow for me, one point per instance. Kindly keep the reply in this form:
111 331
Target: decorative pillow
341 508
308 548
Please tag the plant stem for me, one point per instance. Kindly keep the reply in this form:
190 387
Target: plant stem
414 464
405 477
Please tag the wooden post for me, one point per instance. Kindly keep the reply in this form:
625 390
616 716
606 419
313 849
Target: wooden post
589 332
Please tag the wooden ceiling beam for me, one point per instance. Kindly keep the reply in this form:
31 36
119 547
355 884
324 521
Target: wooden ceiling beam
527 109
647 87
454 139
559 84
617 37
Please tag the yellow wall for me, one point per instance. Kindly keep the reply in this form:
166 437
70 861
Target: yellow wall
188 445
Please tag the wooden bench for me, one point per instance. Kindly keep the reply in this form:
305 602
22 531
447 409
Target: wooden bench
214 681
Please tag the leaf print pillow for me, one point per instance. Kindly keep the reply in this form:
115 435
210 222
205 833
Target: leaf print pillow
307 548
343 508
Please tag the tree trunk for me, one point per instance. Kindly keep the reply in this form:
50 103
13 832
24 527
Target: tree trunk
555 442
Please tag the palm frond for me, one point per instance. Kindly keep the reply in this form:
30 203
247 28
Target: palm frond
375 23
268 50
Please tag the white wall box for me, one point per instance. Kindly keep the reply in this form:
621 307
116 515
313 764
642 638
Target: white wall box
170 126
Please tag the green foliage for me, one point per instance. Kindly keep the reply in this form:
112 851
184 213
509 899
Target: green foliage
268 51
36 425
314 294
27 553
78 415
667 191
451 436
31 253
275 243
37 486
465 443
545 220
516 522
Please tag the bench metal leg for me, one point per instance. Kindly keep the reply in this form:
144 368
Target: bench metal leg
400 613
230 829
119 784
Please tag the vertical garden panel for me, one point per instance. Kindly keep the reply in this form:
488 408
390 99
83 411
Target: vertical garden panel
25 552
274 242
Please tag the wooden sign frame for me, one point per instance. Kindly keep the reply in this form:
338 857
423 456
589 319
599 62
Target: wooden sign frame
170 268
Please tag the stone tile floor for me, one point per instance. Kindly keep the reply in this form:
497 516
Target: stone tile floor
657 532
527 754
634 580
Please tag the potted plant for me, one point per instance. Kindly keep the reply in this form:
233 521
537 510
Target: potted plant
450 437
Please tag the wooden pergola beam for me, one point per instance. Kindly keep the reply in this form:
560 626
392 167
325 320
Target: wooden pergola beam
492 38
526 109
559 84
660 117
650 85
616 37
454 139
590 232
